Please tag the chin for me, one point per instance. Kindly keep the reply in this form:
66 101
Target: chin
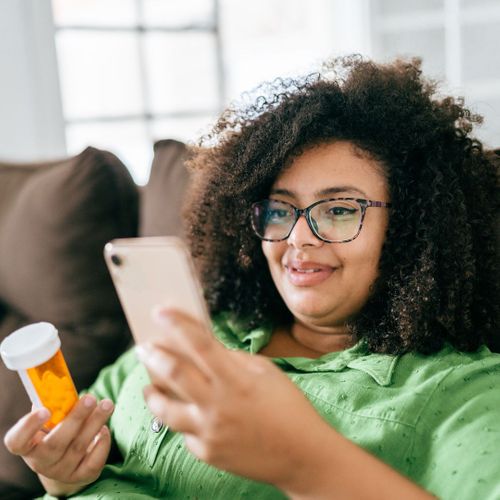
308 307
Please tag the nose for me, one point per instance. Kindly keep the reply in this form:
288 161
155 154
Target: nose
302 235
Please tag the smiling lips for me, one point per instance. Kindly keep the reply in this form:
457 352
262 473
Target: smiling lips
307 273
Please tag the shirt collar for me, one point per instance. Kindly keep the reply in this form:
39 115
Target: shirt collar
235 336
380 367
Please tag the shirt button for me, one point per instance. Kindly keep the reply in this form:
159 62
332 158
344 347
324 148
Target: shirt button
156 424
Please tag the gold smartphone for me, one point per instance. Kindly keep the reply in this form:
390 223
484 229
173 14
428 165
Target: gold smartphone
150 272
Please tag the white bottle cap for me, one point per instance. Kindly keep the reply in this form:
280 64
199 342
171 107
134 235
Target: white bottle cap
30 346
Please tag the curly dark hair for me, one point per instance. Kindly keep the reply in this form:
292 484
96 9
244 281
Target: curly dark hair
438 273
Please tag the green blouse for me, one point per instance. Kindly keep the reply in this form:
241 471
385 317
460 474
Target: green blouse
436 419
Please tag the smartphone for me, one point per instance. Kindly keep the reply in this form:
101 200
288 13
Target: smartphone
153 271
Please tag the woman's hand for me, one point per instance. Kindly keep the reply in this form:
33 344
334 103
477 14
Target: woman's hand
72 454
237 411
240 413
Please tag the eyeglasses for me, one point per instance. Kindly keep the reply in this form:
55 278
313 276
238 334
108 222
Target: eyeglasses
336 220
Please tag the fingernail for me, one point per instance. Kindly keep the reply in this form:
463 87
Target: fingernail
140 352
106 405
43 414
143 352
154 404
88 401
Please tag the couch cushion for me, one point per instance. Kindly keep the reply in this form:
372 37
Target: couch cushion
161 198
54 221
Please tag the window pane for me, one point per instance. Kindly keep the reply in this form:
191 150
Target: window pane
401 7
428 44
177 12
182 129
265 39
99 73
481 57
478 3
270 19
251 66
94 12
181 71
127 140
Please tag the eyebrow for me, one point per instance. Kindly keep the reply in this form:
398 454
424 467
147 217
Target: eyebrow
323 192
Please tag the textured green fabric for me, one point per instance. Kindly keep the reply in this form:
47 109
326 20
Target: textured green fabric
436 419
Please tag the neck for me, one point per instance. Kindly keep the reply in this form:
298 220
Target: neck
322 339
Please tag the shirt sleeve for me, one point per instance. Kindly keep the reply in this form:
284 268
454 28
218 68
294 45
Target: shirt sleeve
456 453
110 379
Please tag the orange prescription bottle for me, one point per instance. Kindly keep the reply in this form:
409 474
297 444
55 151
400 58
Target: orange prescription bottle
35 352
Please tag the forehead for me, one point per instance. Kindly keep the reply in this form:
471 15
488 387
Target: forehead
329 166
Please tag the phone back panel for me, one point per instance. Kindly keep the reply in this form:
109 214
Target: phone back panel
150 272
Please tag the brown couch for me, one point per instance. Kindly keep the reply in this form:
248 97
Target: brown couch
55 218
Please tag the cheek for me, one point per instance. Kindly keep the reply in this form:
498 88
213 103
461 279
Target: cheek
266 250
362 255
272 252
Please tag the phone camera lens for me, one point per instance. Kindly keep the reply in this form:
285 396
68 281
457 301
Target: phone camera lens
116 259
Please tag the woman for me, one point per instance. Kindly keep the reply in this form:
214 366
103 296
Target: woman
343 231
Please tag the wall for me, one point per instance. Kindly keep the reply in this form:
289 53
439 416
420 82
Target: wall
31 120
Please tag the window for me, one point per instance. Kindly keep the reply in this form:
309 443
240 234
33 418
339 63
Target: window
134 71
458 41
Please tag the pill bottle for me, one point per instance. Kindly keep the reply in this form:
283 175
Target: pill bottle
35 352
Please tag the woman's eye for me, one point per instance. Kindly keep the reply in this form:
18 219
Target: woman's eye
277 214
342 211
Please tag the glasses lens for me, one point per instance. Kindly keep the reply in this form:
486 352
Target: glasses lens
337 220
272 220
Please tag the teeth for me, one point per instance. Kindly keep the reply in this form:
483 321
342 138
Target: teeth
307 270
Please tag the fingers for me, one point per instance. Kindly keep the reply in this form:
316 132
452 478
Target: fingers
186 335
180 416
93 426
92 464
75 450
174 374
21 438
196 446
86 436
72 436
